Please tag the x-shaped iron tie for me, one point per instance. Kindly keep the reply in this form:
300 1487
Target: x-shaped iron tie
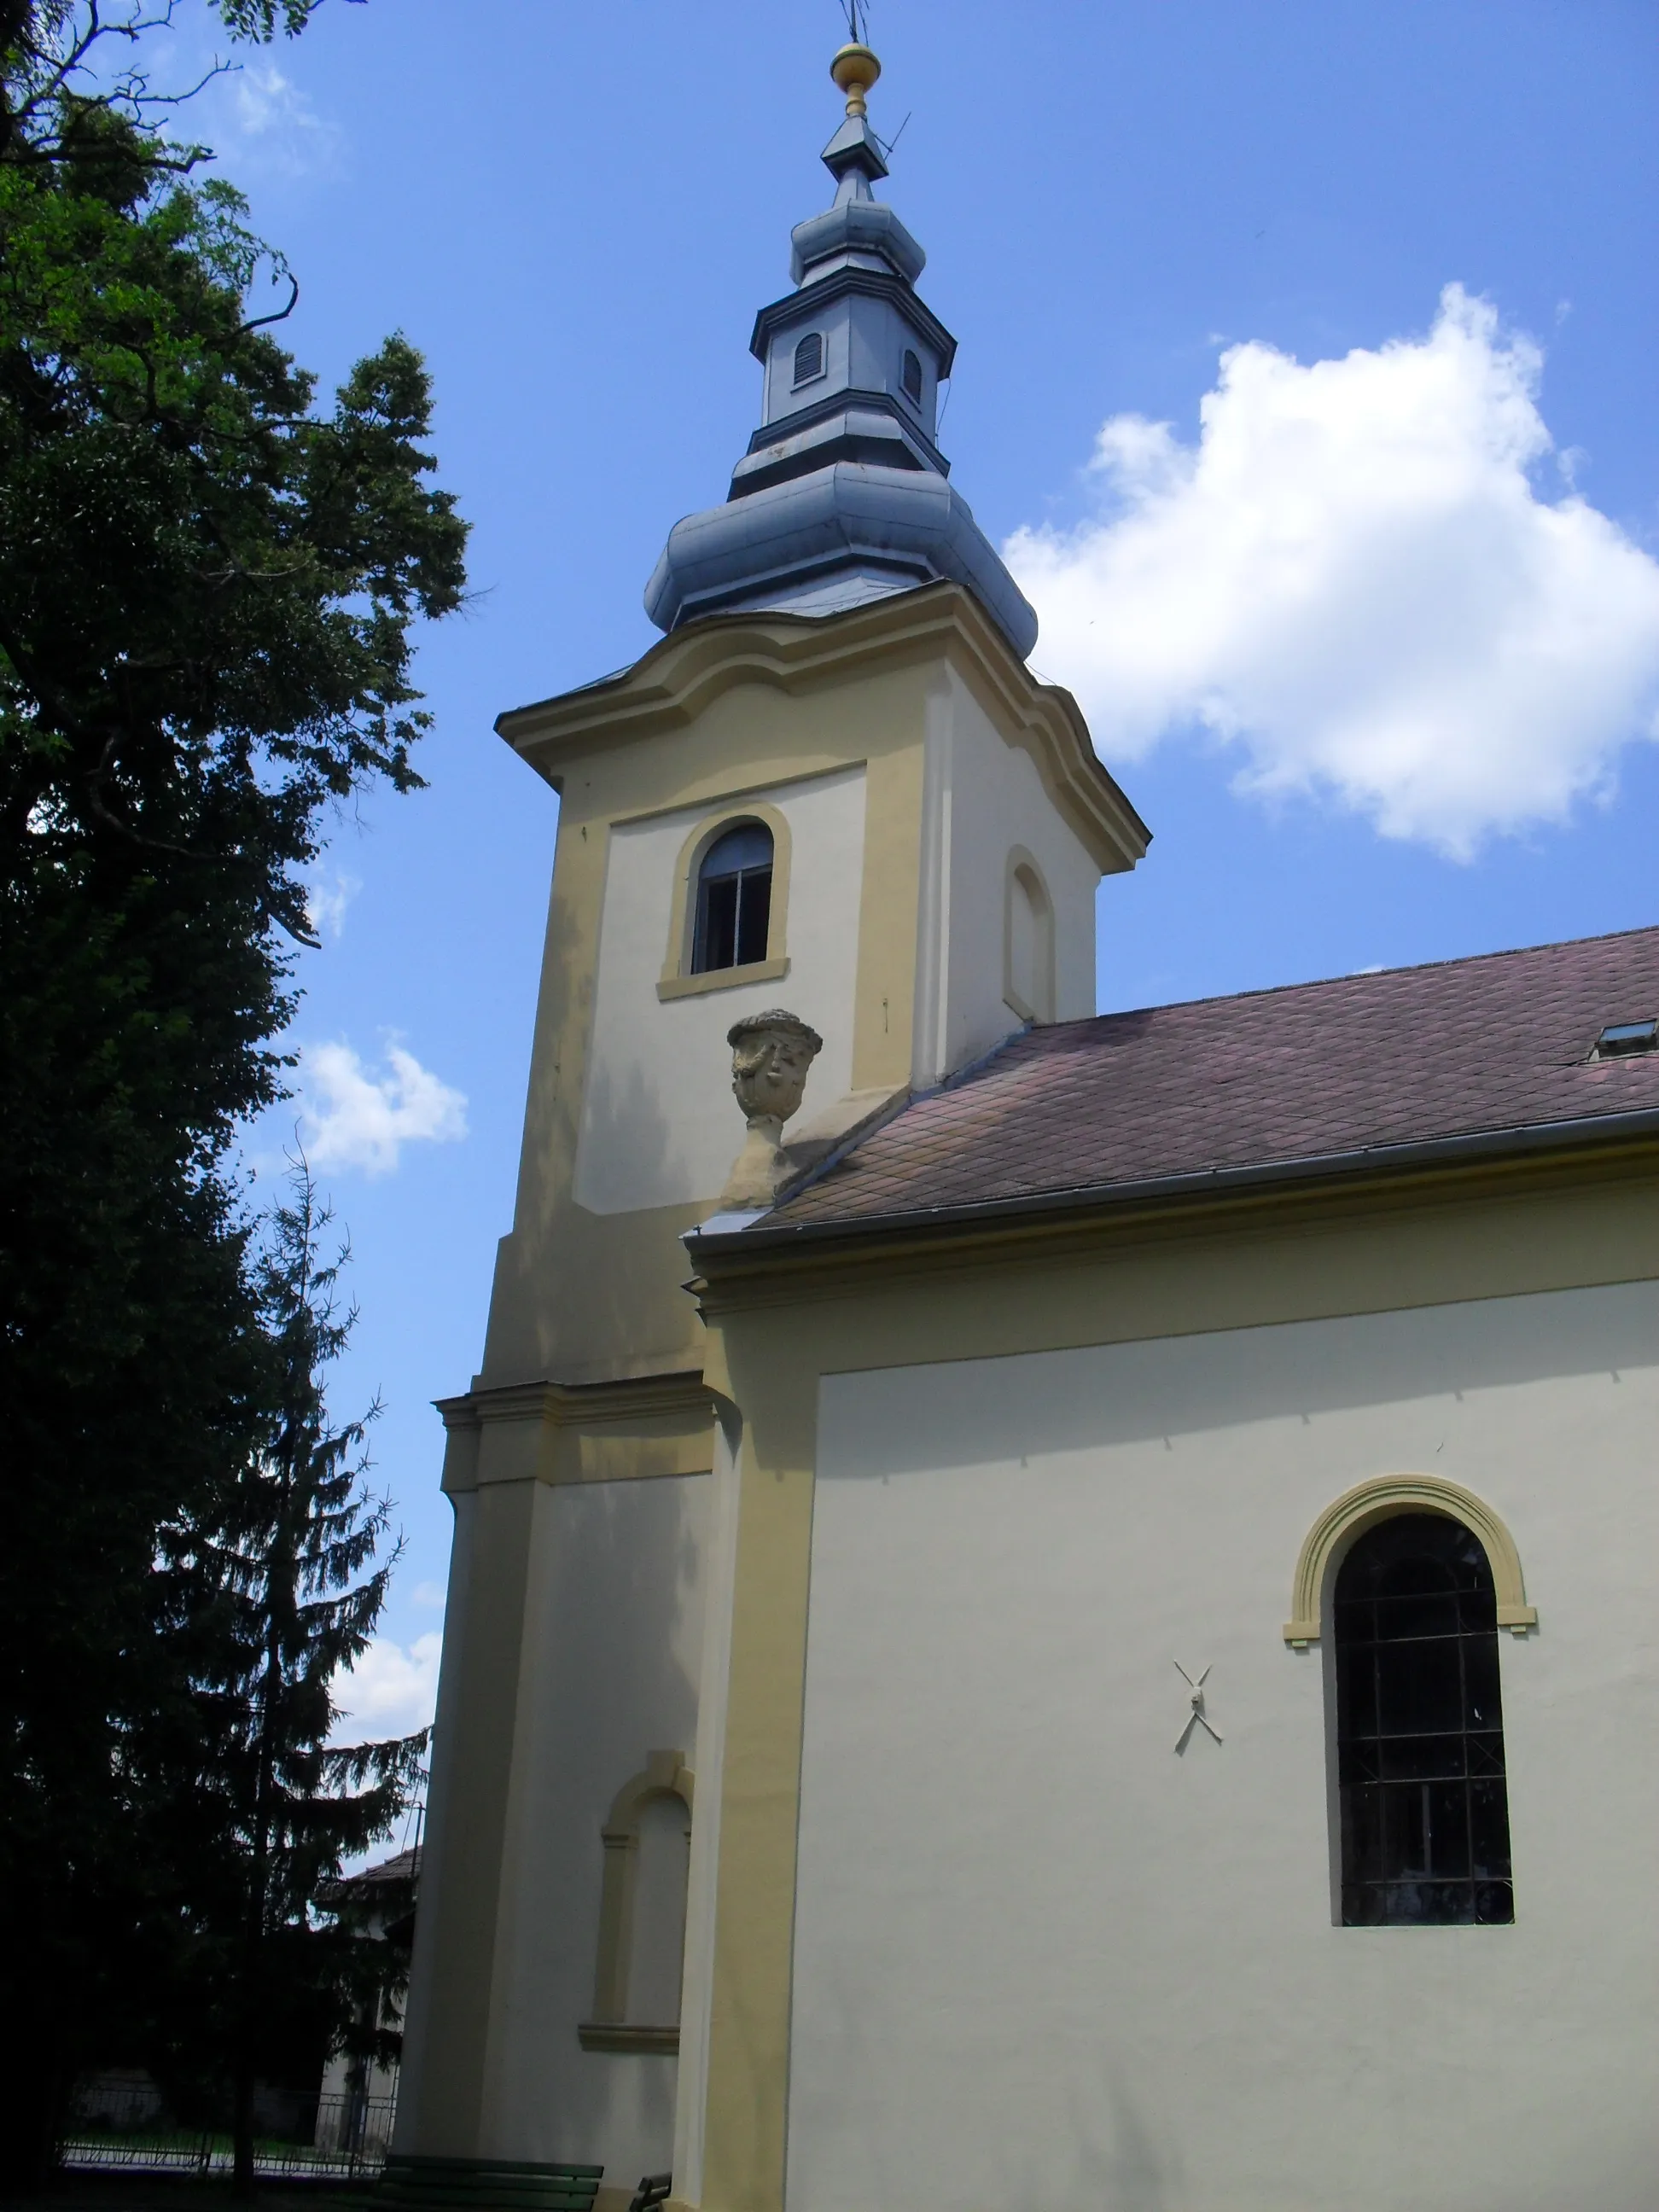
1198 1717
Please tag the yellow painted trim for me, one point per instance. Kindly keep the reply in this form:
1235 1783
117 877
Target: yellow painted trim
890 896
677 979
1021 863
676 1390
722 979
624 1430
889 1253
670 685
1380 1499
736 796
664 1774
624 2036
744 2118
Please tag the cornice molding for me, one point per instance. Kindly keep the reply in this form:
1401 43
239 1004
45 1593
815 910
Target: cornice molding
622 2037
857 398
582 1405
678 679
732 1275
803 306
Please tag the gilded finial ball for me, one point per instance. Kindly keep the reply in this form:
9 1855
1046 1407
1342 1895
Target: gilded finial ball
855 68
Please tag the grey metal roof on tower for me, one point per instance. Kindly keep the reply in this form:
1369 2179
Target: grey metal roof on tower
843 495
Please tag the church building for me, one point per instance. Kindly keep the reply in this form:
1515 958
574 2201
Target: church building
1049 1610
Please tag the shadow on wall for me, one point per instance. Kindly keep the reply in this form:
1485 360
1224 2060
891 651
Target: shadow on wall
574 1287
624 1604
635 1590
1126 2172
1135 1393
633 1156
864 2147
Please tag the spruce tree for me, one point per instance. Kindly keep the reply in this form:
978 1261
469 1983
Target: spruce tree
276 1597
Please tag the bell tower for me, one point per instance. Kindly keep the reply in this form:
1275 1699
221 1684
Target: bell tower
833 787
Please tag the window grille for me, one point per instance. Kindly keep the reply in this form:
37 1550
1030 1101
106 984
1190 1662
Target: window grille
912 377
1424 1807
734 900
809 357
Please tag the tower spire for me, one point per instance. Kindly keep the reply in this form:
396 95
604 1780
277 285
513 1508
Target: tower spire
843 495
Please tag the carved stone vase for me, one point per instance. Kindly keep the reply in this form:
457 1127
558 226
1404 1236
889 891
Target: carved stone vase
771 1056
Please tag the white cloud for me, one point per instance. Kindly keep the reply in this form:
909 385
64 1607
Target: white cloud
428 1594
269 121
1352 580
259 119
266 100
392 1691
326 901
354 1119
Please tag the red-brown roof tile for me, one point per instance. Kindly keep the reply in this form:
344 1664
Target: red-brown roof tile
1409 1056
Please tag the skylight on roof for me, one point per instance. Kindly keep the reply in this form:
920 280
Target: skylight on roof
1620 1039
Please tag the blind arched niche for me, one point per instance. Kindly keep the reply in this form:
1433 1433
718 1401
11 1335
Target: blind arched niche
647 1839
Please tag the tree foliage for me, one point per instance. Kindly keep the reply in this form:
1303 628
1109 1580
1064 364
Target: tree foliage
209 586
271 1601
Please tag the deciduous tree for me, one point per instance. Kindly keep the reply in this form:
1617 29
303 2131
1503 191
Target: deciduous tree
209 586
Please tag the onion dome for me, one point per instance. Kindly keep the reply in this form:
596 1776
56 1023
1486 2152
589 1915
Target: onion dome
843 495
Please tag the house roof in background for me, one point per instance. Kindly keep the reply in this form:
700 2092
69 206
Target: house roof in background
404 1866
1288 1079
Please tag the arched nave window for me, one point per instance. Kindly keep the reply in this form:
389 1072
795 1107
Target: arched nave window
1424 1807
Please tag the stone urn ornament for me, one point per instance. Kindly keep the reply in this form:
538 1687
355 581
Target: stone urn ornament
771 1057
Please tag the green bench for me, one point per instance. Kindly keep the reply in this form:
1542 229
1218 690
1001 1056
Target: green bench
651 2193
478 2185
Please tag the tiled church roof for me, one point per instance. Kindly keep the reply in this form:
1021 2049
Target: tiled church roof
1286 1079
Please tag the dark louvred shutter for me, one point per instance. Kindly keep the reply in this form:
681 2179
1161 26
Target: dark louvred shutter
809 357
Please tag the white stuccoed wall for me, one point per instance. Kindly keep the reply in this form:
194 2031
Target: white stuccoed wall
658 1124
618 1655
984 797
1042 1961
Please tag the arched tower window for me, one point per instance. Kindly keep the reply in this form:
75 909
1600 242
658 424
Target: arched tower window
809 357
911 377
1028 940
1420 1778
734 900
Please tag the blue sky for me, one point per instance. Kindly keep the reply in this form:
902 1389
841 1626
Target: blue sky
1354 574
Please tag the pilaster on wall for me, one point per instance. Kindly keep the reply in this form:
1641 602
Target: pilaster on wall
885 1005
465 1873
691 2109
748 1828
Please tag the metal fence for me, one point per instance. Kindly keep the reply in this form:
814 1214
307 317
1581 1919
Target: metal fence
126 2128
